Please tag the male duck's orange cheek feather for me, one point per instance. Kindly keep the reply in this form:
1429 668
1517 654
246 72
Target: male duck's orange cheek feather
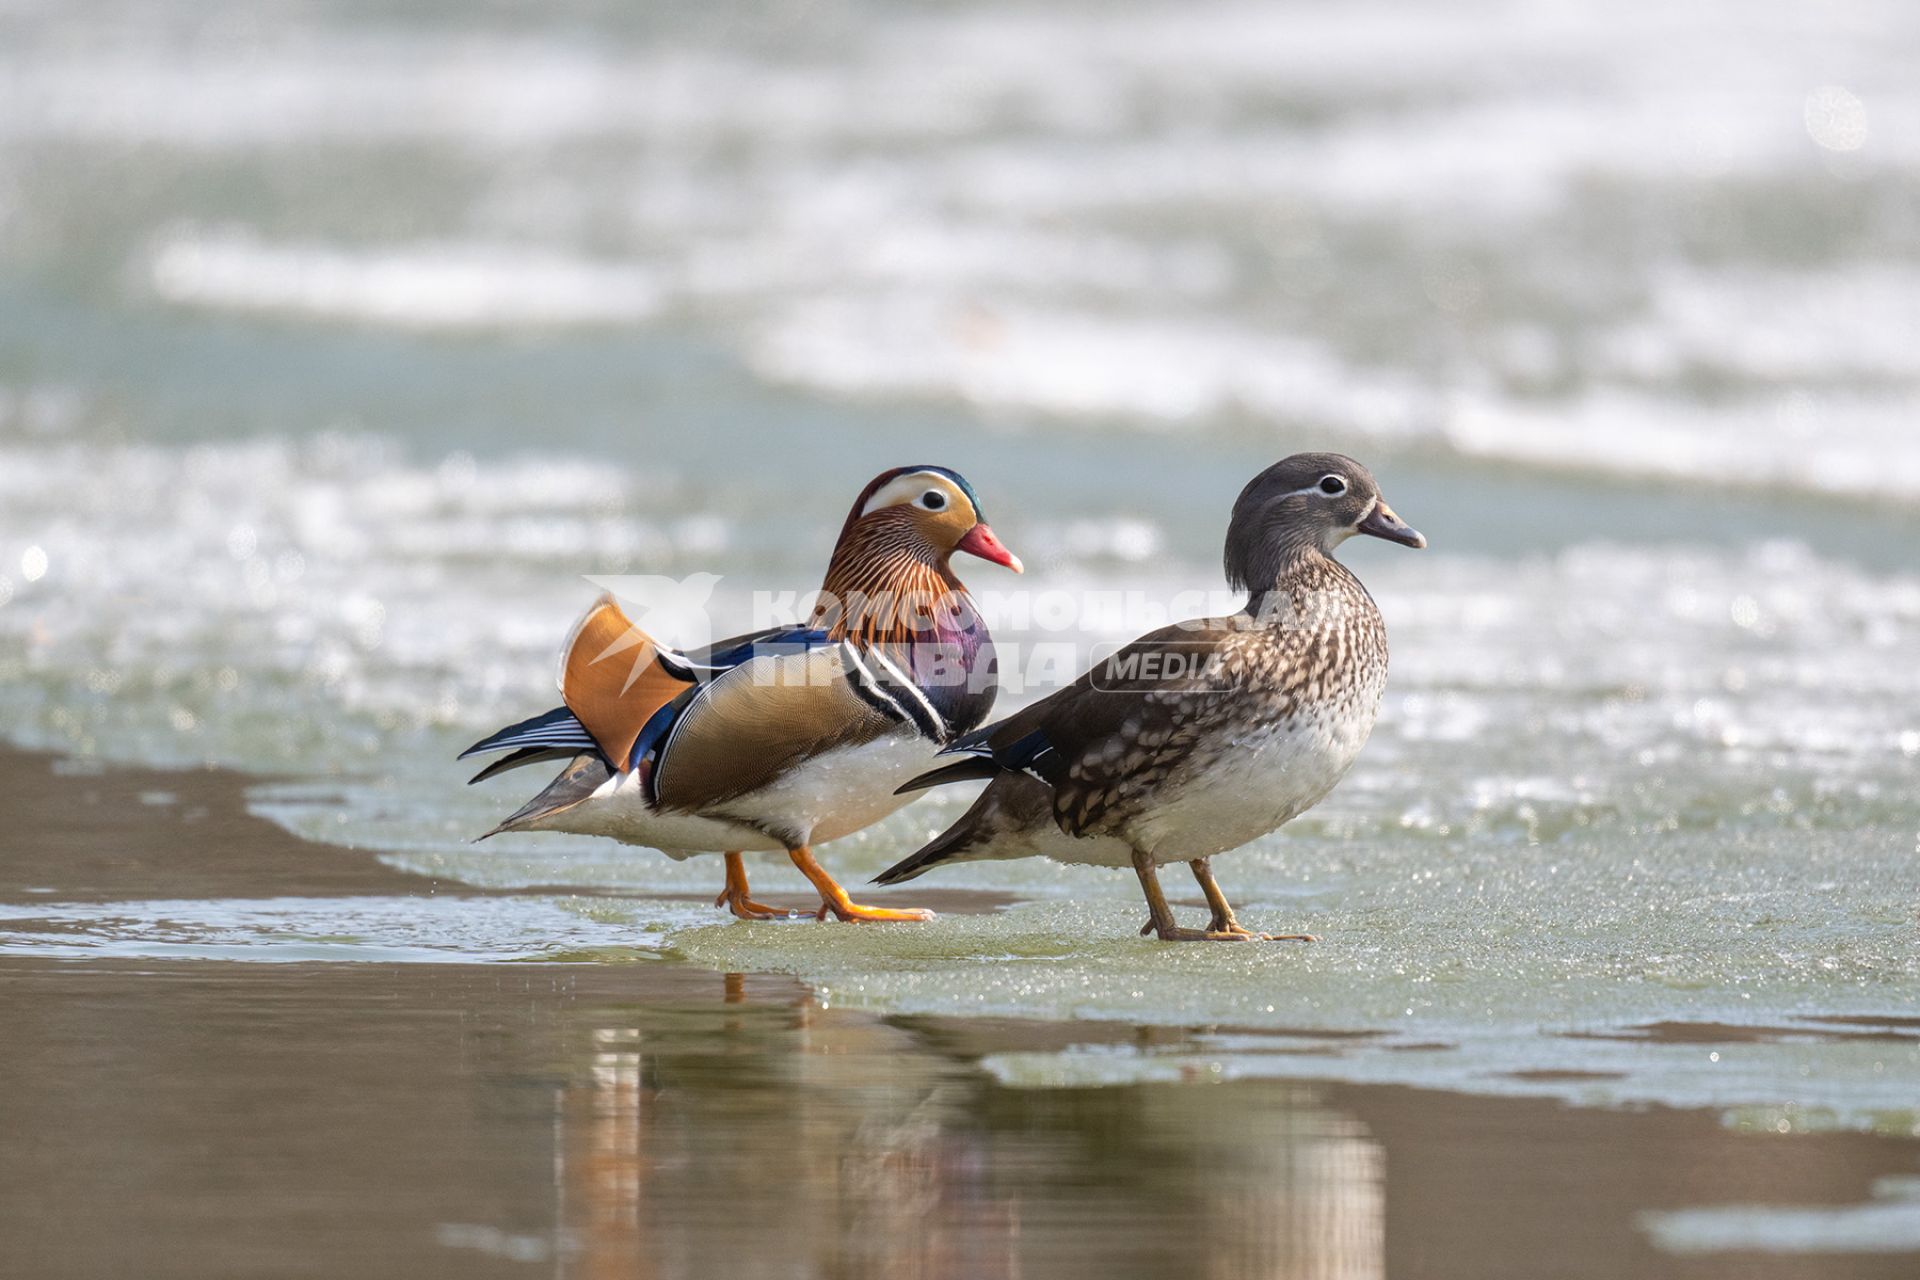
612 679
980 541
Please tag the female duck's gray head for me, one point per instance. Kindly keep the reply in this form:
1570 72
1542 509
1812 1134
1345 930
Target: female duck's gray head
1311 502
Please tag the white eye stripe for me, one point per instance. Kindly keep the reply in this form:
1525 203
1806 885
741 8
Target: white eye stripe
903 490
1315 491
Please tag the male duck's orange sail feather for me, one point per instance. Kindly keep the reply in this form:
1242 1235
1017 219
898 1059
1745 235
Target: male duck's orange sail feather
613 679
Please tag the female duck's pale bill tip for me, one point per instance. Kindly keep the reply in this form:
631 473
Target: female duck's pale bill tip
1383 523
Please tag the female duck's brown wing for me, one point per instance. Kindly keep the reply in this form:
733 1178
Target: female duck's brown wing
1118 730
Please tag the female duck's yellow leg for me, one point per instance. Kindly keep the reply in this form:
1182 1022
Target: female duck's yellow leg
833 898
734 897
1223 921
1160 916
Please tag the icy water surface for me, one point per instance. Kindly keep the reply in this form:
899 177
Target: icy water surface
388 1076
429 1120
1442 984
336 343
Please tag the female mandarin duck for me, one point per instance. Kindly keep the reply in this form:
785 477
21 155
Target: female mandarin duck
1204 735
783 738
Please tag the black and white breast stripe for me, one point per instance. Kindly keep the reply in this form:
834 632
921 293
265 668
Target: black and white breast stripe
894 694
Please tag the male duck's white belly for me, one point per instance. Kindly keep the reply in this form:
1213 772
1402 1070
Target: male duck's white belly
619 811
840 792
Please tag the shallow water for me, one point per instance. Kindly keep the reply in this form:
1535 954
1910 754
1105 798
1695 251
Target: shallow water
336 345
661 1120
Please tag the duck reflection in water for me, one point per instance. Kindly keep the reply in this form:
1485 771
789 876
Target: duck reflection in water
779 1137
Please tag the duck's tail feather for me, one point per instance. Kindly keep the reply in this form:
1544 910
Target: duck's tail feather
580 779
526 756
556 730
1012 818
944 847
967 769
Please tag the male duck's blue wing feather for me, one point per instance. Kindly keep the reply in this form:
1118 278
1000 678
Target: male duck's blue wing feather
710 664
724 655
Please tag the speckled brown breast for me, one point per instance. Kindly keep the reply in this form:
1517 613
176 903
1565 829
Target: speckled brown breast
1308 663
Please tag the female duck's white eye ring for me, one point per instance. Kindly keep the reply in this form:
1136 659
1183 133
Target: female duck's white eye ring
934 500
1333 486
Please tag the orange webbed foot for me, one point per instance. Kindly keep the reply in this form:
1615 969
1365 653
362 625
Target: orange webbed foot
734 897
834 900
747 909
854 912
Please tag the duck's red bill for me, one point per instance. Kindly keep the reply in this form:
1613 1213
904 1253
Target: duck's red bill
981 542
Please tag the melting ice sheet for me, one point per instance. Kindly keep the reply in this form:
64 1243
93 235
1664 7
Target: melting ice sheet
1890 1223
448 930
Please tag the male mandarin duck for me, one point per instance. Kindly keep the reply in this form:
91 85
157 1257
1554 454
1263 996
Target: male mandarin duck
783 738
1202 736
